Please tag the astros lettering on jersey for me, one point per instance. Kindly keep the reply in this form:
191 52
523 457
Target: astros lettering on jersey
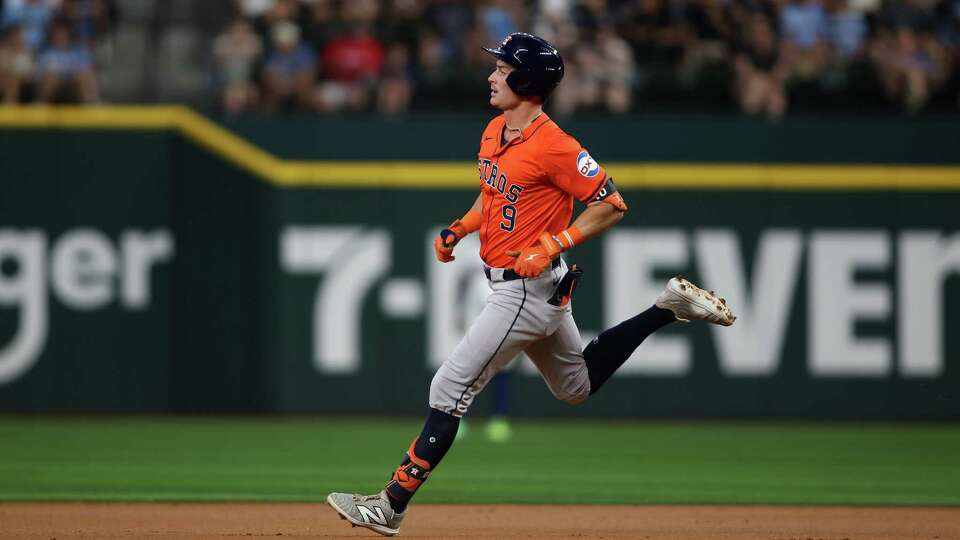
528 185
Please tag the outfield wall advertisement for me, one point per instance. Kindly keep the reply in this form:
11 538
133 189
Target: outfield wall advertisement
841 314
147 272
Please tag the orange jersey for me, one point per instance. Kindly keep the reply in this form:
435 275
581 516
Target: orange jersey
529 184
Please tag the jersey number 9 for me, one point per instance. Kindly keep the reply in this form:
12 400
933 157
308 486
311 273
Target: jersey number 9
509 213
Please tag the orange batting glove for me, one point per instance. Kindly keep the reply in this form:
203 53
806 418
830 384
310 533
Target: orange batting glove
444 243
532 261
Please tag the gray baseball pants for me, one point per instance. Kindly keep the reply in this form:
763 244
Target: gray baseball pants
516 318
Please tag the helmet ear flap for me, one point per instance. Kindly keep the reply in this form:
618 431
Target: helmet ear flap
519 83
513 83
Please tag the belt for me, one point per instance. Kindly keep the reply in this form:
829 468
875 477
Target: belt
508 274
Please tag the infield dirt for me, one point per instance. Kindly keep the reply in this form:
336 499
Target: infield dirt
60 521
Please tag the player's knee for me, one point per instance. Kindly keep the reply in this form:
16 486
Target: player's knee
438 395
575 399
576 393
443 395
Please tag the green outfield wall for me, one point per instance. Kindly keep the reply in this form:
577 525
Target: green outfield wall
154 261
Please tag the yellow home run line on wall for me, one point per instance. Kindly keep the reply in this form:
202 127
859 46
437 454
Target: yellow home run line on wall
427 174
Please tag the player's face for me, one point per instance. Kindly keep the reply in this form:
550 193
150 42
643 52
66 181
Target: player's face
501 96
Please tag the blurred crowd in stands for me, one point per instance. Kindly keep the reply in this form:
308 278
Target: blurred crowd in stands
47 49
761 56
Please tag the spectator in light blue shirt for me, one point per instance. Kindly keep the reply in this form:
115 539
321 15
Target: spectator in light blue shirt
32 16
16 64
65 68
846 30
498 20
803 24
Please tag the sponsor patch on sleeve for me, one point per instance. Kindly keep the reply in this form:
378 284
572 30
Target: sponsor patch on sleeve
587 166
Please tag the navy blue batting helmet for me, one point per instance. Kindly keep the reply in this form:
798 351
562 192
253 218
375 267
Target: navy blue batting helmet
538 65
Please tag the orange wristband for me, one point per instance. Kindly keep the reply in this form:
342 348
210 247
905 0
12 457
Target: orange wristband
469 223
569 238
557 244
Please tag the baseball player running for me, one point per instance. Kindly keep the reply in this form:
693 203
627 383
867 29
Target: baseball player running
530 173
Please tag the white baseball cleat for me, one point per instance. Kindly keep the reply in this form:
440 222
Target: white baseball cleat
370 511
691 303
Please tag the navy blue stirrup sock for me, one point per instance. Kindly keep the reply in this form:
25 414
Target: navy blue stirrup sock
426 451
610 349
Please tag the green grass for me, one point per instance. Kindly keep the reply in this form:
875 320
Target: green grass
176 459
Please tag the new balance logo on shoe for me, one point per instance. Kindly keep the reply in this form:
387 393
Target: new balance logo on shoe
370 511
371 515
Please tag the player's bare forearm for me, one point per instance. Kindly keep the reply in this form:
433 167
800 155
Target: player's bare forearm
596 218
